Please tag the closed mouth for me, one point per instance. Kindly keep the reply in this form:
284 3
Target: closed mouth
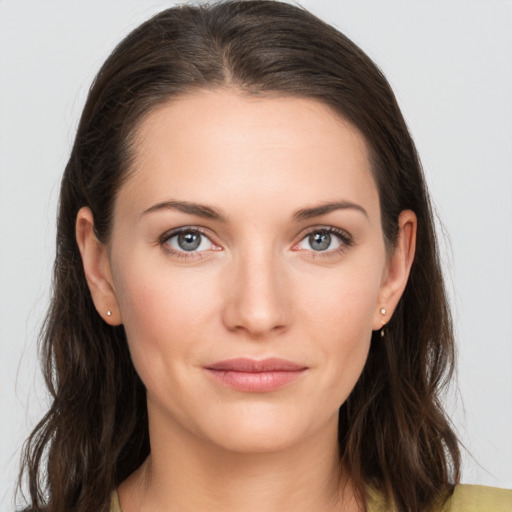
256 376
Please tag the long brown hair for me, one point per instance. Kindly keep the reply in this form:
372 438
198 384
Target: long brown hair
393 433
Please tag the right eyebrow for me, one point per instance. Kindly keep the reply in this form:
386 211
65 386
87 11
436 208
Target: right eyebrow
200 210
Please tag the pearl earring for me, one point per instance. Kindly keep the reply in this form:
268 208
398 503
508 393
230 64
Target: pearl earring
109 313
382 331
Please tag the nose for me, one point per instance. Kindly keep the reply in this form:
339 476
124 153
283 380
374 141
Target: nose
256 299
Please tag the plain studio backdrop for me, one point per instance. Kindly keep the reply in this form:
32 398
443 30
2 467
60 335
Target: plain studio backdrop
450 64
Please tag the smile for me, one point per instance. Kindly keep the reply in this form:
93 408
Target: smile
252 376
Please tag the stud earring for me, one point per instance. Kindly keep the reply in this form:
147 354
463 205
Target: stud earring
109 313
382 330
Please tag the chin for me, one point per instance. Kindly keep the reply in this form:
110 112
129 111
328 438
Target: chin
257 441
264 430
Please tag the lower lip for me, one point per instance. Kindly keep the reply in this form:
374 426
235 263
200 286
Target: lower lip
257 382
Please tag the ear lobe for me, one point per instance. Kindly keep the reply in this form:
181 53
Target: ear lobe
96 268
398 269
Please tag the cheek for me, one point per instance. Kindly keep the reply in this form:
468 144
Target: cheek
163 313
339 318
343 303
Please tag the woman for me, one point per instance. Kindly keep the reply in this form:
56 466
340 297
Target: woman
248 308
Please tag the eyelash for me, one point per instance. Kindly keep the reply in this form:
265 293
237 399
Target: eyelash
345 239
166 237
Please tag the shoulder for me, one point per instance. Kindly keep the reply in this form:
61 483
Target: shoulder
479 498
465 498
114 503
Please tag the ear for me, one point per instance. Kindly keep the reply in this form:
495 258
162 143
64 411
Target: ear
97 268
397 269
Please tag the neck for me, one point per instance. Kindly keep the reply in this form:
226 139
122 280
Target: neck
187 473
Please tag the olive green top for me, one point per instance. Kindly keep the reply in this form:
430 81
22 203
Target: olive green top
466 498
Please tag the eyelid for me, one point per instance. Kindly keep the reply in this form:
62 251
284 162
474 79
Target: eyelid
164 238
346 239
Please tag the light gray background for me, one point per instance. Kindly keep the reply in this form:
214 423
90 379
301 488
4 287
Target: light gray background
450 63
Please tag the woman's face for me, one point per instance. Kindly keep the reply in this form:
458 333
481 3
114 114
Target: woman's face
248 266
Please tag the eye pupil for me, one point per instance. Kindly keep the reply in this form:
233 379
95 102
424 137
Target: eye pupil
320 240
189 241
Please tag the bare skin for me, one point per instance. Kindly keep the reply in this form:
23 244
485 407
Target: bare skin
249 228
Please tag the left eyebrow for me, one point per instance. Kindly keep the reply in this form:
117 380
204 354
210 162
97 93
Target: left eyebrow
323 209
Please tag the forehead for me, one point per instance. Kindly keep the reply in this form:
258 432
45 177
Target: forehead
212 146
247 120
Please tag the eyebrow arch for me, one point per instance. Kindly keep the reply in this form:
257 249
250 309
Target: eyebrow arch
187 207
323 209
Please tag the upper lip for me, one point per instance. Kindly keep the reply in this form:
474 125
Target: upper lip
243 364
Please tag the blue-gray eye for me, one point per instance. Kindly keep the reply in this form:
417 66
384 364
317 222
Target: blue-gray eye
322 240
189 241
319 241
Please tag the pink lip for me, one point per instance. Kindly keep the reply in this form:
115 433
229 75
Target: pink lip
254 376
